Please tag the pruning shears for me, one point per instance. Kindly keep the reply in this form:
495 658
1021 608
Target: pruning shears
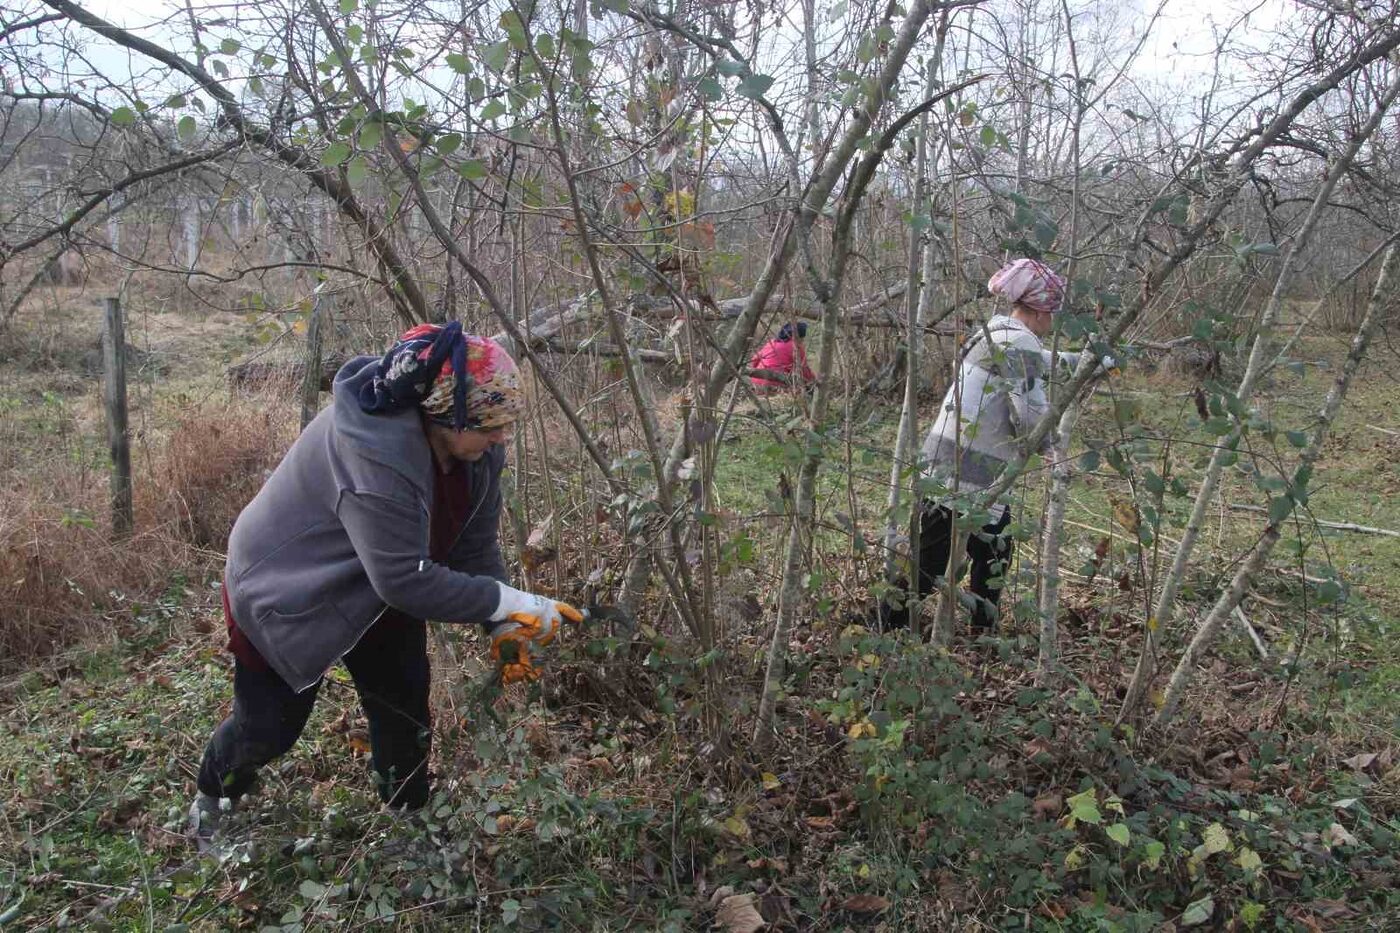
616 615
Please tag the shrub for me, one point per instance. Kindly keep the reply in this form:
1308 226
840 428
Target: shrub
215 461
63 578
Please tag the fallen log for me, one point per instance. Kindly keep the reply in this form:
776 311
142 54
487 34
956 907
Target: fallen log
255 374
1336 526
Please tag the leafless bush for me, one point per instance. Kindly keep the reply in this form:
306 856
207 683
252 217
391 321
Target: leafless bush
63 578
215 461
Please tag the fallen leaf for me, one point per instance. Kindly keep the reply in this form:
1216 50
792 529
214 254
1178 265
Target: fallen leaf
1039 745
1360 762
738 914
539 546
1047 806
866 904
602 766
777 865
1330 909
1198 912
359 741
1337 835
821 823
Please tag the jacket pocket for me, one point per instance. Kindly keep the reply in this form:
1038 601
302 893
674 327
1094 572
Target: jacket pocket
307 643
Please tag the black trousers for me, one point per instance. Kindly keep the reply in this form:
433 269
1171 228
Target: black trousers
391 674
989 550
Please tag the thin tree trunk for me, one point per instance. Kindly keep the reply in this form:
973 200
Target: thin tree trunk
1062 472
920 245
311 374
1260 353
828 291
1209 628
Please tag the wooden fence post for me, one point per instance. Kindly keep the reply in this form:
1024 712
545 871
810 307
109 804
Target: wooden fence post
311 375
114 402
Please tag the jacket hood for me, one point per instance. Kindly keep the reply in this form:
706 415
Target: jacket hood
395 439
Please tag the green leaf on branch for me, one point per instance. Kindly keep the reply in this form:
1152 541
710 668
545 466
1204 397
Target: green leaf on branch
1119 833
544 46
459 63
755 86
989 136
349 6
710 89
730 68
446 145
123 116
472 170
370 135
1280 508
1084 808
186 128
492 110
356 171
230 46
515 29
336 153
496 55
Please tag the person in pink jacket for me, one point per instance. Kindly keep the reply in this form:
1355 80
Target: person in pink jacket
782 354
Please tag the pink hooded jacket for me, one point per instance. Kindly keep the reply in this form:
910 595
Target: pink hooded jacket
778 356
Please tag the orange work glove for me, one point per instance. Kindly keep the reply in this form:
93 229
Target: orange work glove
525 621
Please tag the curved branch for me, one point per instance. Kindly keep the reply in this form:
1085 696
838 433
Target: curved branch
405 293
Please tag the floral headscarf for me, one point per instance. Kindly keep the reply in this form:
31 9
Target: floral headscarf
1031 283
421 369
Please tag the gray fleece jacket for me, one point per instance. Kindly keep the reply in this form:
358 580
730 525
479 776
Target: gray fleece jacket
341 530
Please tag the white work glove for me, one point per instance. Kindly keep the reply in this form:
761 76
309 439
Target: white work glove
524 620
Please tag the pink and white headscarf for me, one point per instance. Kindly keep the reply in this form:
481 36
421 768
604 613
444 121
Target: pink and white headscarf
1031 283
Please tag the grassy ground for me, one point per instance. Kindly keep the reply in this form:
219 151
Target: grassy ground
908 789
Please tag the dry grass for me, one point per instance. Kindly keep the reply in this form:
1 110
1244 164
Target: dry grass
215 461
62 576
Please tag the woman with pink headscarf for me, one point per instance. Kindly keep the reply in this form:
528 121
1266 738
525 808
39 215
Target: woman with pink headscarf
997 398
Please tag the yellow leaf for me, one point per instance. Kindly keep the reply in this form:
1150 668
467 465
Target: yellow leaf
1248 859
1126 514
738 826
770 781
1216 839
679 203
862 728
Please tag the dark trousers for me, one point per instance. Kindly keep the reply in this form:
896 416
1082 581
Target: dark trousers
988 549
391 674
